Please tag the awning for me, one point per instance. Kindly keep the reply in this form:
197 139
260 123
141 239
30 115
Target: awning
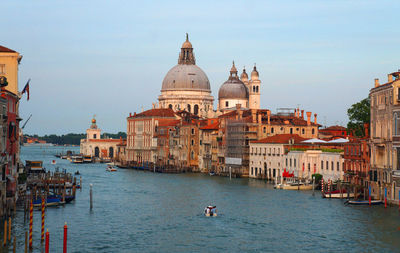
314 140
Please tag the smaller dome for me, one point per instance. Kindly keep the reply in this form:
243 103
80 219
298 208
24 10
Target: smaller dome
233 88
187 43
244 77
254 73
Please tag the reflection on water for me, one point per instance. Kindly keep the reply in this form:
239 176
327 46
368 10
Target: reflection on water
142 211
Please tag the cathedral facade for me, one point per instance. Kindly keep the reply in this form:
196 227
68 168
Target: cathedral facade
186 87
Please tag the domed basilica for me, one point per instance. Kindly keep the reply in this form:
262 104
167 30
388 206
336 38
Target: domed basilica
186 87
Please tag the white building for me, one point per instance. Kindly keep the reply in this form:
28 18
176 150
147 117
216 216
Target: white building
271 156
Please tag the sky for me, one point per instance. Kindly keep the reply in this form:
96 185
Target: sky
108 58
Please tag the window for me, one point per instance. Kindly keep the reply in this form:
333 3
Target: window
170 106
226 103
396 124
192 142
309 167
192 130
290 162
264 130
332 166
188 108
196 109
322 165
94 136
294 162
313 131
291 130
302 131
286 162
255 171
272 130
337 168
2 69
327 165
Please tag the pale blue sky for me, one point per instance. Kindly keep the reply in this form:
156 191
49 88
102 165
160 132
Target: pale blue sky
109 57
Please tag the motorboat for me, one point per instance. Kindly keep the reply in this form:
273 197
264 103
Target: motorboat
363 202
77 159
77 172
212 173
50 201
297 186
210 211
111 168
337 194
87 159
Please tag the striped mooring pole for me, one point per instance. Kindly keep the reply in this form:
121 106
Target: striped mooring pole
43 206
30 224
322 185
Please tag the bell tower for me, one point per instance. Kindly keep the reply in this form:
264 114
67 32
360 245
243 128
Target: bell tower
93 132
254 90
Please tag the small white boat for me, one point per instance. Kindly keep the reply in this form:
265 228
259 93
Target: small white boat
210 211
111 169
297 186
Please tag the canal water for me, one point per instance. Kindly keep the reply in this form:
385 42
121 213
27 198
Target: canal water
138 211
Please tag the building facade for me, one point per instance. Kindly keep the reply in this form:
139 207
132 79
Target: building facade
385 138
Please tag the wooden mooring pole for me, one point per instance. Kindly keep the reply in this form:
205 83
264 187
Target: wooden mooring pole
91 197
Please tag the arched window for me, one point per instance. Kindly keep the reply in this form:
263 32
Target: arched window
96 151
257 89
111 152
254 88
196 109
302 131
226 103
291 130
272 130
188 108
264 129
170 106
313 131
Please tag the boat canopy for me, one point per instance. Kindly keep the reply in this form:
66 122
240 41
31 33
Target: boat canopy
314 140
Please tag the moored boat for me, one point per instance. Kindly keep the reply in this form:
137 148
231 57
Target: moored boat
87 159
50 201
337 194
77 159
363 202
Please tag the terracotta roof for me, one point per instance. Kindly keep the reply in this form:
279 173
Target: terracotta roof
214 126
4 49
282 139
334 128
160 112
169 123
104 140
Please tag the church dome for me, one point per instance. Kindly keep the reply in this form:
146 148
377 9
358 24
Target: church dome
233 88
186 77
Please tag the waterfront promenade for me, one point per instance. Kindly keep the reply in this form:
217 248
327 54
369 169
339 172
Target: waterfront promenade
137 211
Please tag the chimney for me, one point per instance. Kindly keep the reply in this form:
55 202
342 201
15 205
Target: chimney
268 117
376 82
390 78
130 114
298 112
254 115
295 112
366 130
134 114
302 114
153 106
308 118
315 118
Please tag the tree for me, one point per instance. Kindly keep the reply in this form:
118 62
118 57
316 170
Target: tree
359 114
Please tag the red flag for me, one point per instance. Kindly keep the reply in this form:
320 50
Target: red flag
26 89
